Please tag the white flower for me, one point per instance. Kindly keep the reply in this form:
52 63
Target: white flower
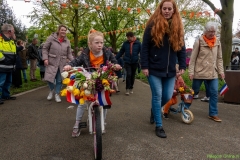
64 74
87 92
85 85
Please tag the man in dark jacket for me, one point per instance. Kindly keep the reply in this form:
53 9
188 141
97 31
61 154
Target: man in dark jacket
33 57
7 61
131 50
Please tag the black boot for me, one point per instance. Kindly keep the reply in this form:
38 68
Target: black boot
151 118
160 132
1 101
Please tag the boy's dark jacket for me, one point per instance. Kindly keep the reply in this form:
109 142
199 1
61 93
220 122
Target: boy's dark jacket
161 62
128 57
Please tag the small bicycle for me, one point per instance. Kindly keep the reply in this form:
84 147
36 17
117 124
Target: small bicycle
95 123
183 108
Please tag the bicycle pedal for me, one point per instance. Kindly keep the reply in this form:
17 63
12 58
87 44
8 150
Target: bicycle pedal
83 125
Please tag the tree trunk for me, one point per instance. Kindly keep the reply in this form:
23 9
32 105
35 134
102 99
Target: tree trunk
76 32
113 40
226 15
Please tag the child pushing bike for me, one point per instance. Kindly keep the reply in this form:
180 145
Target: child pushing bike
186 100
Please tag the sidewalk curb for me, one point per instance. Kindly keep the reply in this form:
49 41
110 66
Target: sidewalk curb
22 93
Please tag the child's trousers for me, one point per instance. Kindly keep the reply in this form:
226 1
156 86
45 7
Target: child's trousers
171 102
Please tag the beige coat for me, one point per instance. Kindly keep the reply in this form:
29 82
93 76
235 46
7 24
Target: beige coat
57 54
208 63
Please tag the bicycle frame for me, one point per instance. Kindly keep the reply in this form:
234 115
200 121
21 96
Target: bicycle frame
90 115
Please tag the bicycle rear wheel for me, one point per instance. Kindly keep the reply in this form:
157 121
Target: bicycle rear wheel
97 130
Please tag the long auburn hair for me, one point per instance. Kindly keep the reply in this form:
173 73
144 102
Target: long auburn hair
160 27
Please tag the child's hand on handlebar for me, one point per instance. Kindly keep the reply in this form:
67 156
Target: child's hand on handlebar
67 68
117 67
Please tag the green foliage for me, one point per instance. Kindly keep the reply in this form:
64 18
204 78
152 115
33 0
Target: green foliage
29 85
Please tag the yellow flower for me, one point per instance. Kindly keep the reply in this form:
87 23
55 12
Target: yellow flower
181 89
66 81
105 82
70 88
82 93
64 92
81 101
76 92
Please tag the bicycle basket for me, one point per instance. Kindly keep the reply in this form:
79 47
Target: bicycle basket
187 98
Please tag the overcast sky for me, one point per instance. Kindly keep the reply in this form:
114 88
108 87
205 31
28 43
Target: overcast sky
21 9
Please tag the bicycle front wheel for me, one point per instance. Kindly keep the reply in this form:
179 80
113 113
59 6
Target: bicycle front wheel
97 134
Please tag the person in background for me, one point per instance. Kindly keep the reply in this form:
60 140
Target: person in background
234 62
16 74
41 63
163 43
34 58
23 57
130 51
56 52
206 63
7 61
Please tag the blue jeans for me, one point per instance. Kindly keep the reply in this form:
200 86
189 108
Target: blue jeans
24 74
58 80
196 87
5 84
213 94
162 90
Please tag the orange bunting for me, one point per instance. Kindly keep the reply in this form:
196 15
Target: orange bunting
148 11
119 8
129 9
191 15
75 5
184 13
86 5
198 14
207 13
50 3
138 10
108 8
64 5
97 7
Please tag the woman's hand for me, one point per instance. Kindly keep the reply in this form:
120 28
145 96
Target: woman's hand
222 76
145 72
67 68
117 67
45 62
191 77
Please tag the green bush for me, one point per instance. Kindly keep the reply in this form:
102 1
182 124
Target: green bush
185 77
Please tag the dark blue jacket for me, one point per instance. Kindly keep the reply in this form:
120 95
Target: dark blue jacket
128 57
18 58
161 62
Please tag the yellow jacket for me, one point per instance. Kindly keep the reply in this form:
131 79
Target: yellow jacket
7 54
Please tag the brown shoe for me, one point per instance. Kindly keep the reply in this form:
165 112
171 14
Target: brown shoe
215 118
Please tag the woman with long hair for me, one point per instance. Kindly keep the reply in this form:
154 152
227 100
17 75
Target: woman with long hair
163 44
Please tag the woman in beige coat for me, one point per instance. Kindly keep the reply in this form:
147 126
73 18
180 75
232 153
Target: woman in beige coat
206 64
55 53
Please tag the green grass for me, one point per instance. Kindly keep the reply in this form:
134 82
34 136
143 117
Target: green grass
29 85
185 77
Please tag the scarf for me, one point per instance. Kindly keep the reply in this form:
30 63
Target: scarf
210 42
131 44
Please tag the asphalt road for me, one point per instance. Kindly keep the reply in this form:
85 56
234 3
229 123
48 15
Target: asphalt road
32 128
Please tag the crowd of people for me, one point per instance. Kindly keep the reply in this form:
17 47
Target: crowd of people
161 50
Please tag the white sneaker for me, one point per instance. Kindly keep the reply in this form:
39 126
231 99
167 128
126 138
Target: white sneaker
127 92
195 96
57 98
131 91
205 99
50 95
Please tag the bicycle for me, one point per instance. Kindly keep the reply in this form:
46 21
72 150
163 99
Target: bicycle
186 114
96 116
95 123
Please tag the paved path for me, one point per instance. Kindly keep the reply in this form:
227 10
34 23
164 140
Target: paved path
33 128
